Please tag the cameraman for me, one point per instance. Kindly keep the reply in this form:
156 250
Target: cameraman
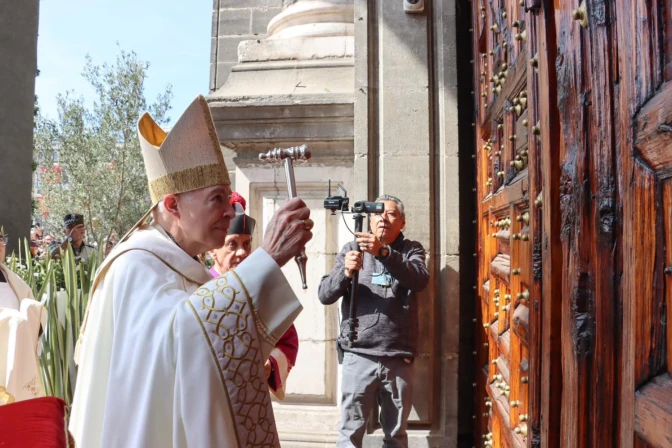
378 368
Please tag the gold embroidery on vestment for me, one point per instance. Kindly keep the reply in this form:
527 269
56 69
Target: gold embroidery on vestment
214 355
261 328
31 387
226 317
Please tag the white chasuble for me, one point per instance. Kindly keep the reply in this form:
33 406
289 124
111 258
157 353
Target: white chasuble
166 363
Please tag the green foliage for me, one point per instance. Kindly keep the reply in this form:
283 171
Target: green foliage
64 287
100 172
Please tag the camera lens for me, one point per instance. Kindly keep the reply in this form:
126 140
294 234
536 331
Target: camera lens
413 2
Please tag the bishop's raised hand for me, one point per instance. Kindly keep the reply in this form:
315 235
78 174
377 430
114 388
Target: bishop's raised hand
288 232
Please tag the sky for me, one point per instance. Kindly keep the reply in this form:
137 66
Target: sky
173 36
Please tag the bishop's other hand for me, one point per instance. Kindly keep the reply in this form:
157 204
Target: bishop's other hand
288 232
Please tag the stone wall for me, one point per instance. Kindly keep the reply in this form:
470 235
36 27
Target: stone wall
18 66
234 21
405 143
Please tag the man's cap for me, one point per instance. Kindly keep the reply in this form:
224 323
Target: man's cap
241 224
73 218
187 158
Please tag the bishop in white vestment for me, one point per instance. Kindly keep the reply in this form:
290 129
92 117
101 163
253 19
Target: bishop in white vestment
164 361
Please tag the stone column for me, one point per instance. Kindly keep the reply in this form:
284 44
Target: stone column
18 66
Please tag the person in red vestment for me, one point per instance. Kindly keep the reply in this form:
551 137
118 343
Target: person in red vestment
237 246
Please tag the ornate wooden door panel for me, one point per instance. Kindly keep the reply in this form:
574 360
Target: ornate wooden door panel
507 285
546 255
574 172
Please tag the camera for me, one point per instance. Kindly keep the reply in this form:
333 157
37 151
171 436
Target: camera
368 207
341 203
334 203
414 6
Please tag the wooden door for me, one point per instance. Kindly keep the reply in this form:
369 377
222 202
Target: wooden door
574 172
646 415
615 211
510 181
644 42
587 73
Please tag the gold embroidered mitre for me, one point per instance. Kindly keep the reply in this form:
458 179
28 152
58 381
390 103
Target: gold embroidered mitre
187 158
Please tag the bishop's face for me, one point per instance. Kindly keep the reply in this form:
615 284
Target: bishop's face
236 248
204 216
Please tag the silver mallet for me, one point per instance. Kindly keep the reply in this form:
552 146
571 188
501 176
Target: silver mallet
289 155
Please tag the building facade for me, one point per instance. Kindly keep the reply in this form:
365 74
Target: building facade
529 140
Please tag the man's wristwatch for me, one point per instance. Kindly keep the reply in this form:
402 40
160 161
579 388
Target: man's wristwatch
383 252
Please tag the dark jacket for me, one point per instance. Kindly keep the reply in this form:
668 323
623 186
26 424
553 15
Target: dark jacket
388 316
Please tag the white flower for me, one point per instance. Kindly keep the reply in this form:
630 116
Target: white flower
36 275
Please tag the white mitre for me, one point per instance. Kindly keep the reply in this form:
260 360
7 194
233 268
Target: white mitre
187 158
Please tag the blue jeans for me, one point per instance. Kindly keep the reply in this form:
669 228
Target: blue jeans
370 380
